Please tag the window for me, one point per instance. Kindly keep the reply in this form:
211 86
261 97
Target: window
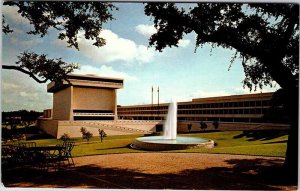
246 104
258 103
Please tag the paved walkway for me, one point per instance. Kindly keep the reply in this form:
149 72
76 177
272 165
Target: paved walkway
163 171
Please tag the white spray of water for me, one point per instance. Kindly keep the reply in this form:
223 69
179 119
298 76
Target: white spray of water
170 126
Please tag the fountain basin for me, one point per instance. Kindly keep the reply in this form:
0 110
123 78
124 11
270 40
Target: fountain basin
158 143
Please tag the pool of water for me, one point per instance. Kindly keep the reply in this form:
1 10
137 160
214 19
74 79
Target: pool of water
178 140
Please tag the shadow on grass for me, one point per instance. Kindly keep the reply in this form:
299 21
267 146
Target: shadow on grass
285 141
111 148
261 135
249 174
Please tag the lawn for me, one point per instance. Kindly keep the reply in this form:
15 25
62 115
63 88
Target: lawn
228 142
262 143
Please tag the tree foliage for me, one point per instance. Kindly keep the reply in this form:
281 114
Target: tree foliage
203 125
189 126
69 19
102 134
265 36
86 134
42 69
216 124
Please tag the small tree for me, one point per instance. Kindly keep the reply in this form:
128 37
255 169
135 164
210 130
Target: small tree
102 134
216 124
86 134
65 137
83 130
189 126
203 125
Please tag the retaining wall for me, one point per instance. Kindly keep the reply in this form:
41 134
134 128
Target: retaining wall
124 127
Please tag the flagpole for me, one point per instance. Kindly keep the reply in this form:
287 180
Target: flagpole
158 101
152 100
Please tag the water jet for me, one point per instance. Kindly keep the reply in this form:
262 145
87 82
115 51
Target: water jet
169 140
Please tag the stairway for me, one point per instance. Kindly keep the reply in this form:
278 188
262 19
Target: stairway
98 125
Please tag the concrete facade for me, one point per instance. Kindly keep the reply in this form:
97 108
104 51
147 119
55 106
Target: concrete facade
94 99
91 102
85 97
62 104
81 98
57 128
237 108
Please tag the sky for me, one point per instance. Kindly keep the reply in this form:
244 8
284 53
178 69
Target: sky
180 73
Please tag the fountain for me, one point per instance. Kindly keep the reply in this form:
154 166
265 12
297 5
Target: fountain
170 140
170 126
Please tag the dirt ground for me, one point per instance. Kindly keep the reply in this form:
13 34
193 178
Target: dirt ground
187 171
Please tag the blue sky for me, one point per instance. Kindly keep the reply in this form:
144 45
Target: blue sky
180 73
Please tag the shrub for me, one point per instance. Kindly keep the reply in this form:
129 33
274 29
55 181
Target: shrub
83 130
102 134
65 137
203 125
189 126
86 134
216 124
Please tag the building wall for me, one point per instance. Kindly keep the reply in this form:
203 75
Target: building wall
182 126
47 113
94 99
62 104
239 108
72 128
136 124
49 126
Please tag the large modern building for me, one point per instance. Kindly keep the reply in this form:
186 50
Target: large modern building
87 101
85 97
91 101
236 108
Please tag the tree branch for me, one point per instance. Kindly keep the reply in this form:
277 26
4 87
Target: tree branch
9 67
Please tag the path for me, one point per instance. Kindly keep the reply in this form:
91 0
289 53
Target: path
164 171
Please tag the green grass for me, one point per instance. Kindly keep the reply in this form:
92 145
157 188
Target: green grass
229 142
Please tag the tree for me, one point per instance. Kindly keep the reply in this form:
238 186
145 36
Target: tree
65 137
86 134
66 17
264 35
102 134
203 125
216 124
189 126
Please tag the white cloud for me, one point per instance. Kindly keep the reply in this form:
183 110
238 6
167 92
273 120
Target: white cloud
12 13
235 91
7 86
31 95
25 43
21 92
116 49
105 71
146 30
258 90
183 43
201 94
145 55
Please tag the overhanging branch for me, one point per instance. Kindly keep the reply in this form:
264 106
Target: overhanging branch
9 67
